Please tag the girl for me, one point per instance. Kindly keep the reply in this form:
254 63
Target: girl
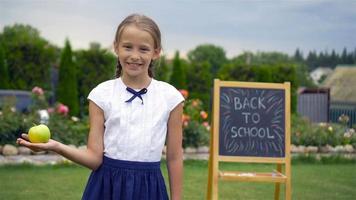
130 117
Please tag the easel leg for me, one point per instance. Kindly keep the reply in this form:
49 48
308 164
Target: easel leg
210 177
210 188
277 185
288 183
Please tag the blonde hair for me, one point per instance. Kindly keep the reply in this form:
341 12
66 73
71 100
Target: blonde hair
144 23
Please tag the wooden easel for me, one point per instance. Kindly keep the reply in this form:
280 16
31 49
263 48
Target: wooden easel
276 176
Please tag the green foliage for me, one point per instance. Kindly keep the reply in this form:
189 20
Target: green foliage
326 59
178 77
13 123
200 82
261 58
287 73
236 72
162 70
4 73
298 56
67 91
210 53
309 134
263 68
95 65
29 57
68 130
195 135
304 79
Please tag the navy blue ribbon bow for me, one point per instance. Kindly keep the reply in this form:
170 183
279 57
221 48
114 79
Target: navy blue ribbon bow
136 94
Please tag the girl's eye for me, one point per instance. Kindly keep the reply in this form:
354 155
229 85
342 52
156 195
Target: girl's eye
144 49
127 47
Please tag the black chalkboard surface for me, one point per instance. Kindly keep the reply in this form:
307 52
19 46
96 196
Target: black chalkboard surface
252 122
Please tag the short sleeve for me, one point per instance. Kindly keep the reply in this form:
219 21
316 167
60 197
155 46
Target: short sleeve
174 97
99 95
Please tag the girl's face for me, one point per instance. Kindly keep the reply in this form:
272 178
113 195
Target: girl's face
135 51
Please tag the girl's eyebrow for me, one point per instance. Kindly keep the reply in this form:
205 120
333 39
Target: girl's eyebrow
146 46
126 43
141 45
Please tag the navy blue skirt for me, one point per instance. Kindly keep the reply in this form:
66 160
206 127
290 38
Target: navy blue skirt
126 180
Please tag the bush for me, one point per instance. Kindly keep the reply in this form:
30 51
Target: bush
195 123
68 130
64 128
12 123
307 133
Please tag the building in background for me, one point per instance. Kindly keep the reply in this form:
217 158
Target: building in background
342 84
314 104
319 74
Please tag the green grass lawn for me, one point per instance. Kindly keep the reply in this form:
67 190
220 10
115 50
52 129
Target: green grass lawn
309 181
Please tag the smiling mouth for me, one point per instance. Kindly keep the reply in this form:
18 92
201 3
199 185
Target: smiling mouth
134 64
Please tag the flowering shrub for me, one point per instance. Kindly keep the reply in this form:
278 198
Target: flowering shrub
12 123
69 130
196 127
195 123
310 134
64 128
62 109
39 101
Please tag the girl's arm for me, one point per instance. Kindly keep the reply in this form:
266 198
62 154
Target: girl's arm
174 152
92 156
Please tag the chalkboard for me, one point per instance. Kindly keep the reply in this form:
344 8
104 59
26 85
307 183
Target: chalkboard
252 122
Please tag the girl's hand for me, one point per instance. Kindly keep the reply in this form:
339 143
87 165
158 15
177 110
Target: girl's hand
51 145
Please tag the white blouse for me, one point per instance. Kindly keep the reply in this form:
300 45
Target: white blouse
135 131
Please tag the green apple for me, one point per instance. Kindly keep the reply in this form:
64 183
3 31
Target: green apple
39 134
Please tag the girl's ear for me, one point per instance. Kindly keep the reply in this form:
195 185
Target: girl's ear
156 53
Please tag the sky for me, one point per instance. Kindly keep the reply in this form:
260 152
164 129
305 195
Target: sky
235 25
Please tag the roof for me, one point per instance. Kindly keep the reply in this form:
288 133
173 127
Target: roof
342 84
323 69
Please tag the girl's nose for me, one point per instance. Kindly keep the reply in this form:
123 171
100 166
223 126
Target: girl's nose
135 55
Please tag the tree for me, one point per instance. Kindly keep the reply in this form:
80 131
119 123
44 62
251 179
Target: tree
344 56
312 60
262 58
67 90
200 82
282 73
178 77
334 59
298 56
236 72
29 57
162 70
4 73
212 54
276 73
95 65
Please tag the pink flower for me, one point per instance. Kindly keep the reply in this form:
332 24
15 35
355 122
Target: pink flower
37 90
203 114
185 93
62 109
207 126
50 110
